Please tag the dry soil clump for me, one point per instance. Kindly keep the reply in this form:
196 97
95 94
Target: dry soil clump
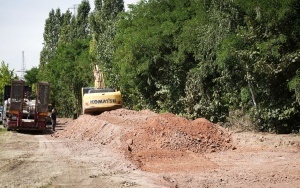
153 142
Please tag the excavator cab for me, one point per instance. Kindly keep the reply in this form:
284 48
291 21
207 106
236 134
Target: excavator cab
98 99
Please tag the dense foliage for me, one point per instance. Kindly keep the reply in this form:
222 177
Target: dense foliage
6 76
197 58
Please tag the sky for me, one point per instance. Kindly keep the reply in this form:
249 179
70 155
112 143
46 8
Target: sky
22 27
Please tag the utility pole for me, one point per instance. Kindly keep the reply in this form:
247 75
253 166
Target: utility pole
23 67
74 7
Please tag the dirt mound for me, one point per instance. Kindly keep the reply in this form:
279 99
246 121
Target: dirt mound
147 138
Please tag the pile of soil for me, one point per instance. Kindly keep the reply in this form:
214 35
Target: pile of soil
151 140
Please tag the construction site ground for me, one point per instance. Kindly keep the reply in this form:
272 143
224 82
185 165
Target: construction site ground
125 148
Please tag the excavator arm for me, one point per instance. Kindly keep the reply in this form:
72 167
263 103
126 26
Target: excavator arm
98 77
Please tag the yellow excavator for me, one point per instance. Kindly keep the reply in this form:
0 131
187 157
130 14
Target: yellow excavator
98 99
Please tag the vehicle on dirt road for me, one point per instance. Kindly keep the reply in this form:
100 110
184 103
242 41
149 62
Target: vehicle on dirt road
98 99
20 112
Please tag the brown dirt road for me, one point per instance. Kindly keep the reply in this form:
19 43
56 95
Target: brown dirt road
125 148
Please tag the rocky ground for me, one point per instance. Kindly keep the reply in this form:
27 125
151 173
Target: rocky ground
125 148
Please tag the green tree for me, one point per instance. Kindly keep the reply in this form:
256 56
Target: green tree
6 76
202 58
82 21
263 56
213 22
103 24
65 32
68 69
31 76
213 57
160 42
51 38
149 56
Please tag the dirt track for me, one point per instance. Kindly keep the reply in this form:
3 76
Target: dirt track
126 148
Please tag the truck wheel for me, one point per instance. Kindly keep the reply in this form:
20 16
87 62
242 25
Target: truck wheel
8 128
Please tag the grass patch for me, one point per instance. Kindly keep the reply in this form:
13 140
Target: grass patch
47 185
2 130
239 121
